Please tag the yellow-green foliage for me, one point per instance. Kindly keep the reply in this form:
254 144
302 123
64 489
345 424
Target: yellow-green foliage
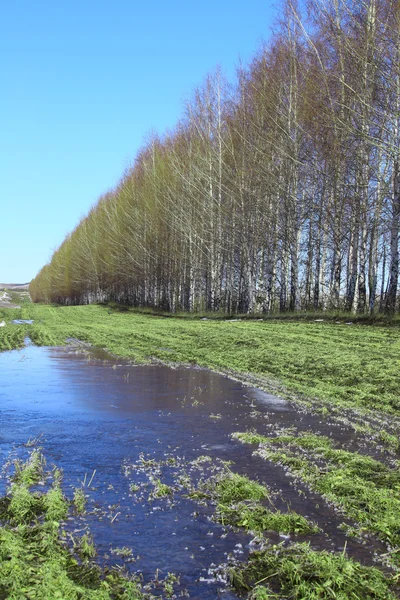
275 193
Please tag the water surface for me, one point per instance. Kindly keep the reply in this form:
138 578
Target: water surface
97 413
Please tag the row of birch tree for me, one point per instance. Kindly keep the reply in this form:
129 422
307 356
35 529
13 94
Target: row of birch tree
280 192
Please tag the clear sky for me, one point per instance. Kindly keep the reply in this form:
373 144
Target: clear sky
82 83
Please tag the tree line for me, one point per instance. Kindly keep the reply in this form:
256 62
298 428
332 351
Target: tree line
278 192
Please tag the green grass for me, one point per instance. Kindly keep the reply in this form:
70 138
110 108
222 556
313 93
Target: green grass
35 561
365 489
31 471
11 336
161 490
299 573
228 487
18 297
232 487
239 500
79 501
260 519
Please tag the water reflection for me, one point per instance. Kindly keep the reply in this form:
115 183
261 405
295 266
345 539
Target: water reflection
97 413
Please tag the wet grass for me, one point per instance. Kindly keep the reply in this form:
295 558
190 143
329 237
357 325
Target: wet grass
35 560
300 573
79 501
161 489
240 502
364 489
10 337
260 519
237 500
231 487
287 570
32 471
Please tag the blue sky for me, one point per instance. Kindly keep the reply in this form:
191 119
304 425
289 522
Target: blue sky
82 83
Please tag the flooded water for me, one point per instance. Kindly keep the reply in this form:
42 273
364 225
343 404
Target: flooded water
98 414
22 321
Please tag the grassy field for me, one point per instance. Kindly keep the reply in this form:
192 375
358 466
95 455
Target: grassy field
346 372
348 365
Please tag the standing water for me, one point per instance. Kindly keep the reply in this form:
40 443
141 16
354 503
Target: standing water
97 415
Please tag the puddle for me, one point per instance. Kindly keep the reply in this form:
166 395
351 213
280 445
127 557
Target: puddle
94 413
22 321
